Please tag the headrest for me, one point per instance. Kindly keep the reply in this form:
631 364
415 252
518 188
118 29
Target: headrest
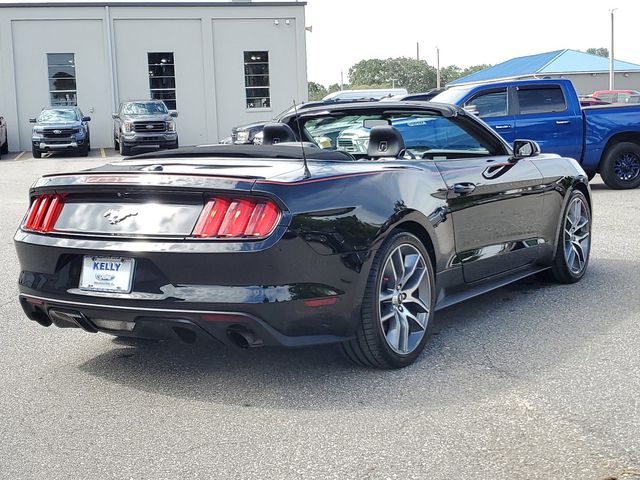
274 133
385 141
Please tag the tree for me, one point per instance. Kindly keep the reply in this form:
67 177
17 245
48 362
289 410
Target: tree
414 75
601 51
316 91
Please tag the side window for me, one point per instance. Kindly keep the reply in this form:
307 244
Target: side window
541 100
490 104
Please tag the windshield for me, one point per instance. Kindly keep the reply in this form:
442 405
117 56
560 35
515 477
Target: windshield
452 95
426 135
58 116
144 108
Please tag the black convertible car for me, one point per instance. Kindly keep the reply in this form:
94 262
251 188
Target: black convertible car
291 244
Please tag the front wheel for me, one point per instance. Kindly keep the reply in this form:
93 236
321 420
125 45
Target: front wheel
397 309
620 167
5 147
574 241
36 153
124 150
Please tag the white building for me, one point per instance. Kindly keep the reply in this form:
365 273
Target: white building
220 64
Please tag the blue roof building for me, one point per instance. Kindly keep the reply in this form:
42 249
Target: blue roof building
587 72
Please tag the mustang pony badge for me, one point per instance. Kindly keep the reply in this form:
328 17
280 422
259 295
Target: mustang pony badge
116 216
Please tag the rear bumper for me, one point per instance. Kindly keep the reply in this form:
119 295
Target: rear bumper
283 292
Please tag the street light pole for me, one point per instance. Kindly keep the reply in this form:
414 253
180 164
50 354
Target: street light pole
611 70
438 68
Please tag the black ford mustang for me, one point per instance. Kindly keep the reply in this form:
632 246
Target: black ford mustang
291 244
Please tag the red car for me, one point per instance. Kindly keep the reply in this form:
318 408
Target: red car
614 96
590 101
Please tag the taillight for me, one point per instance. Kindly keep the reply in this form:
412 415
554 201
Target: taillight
237 218
44 213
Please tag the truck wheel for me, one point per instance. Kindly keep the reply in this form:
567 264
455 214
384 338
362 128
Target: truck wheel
36 153
397 308
124 150
174 145
84 150
5 147
620 167
116 146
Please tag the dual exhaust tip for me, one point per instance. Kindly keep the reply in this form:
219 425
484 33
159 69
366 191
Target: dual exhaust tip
239 335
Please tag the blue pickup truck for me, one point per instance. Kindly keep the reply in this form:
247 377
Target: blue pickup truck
604 139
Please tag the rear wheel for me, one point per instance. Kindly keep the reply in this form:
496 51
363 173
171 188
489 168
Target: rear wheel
36 153
620 167
397 308
574 242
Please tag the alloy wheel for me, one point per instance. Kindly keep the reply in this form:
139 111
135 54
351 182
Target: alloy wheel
404 299
627 166
577 236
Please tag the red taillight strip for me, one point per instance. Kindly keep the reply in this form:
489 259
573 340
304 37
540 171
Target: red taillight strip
236 218
44 213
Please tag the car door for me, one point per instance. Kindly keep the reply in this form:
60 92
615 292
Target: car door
544 115
494 200
494 107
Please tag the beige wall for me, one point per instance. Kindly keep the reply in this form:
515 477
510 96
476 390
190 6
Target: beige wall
111 48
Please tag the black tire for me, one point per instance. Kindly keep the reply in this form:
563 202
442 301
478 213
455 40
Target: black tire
174 145
370 346
5 147
116 145
36 153
83 151
561 270
625 176
124 150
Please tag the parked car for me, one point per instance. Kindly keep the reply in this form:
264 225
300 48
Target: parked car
604 139
590 101
144 124
276 245
614 96
633 99
4 142
415 97
60 129
365 94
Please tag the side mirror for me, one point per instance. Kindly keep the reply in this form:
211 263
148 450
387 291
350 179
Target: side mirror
86 119
525 148
115 115
33 120
173 114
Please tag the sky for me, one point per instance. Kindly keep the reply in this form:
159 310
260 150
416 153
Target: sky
466 32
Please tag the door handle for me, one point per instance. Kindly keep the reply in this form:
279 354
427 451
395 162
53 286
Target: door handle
463 188
562 122
502 127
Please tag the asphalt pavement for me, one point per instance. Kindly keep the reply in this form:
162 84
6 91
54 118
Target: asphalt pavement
531 381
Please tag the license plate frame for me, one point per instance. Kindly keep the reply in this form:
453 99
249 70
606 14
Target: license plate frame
102 274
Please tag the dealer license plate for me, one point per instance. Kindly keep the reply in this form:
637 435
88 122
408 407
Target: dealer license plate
107 274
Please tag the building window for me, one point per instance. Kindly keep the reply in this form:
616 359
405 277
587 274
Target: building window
62 79
256 79
162 78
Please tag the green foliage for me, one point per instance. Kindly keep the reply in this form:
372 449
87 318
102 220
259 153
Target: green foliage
316 91
601 51
414 75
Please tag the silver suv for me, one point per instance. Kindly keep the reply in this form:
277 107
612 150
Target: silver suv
144 124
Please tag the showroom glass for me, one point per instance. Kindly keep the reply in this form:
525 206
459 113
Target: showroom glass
541 100
62 79
490 104
162 78
256 79
426 136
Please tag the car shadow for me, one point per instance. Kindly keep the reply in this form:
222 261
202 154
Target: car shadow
483 346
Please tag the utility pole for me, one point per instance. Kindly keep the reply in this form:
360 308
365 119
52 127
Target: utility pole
611 70
341 80
417 51
437 67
